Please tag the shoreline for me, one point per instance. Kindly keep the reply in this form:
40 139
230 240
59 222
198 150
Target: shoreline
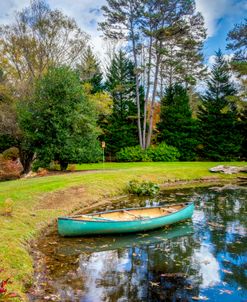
39 201
37 290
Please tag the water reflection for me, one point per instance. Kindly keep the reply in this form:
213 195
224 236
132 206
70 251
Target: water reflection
203 259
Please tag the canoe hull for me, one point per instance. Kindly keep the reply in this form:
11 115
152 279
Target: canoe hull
73 227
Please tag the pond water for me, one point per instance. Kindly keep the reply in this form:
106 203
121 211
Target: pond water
203 259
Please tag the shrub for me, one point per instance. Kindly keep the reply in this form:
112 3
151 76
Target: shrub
9 169
162 152
71 167
144 188
11 153
132 154
39 164
42 172
54 166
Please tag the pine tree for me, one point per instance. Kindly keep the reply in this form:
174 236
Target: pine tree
217 116
237 38
89 71
121 129
177 127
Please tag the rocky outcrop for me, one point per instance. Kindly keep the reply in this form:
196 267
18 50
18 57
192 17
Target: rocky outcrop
228 169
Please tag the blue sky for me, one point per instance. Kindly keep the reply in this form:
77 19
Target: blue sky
220 16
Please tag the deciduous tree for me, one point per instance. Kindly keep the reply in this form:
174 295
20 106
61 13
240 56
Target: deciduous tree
39 38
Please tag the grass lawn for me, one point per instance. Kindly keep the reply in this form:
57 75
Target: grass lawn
35 202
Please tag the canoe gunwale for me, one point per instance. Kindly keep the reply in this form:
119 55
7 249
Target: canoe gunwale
186 205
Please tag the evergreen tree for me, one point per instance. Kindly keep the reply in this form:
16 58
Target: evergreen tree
237 38
121 129
243 131
217 116
89 71
177 127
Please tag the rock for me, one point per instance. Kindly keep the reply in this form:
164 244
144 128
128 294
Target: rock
217 169
228 169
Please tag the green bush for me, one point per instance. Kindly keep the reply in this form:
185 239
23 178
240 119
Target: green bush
162 152
132 154
144 188
11 153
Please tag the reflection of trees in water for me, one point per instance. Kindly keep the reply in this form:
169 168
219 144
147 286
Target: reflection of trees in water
171 270
148 273
227 209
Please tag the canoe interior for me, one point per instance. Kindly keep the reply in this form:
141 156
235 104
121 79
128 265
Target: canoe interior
132 214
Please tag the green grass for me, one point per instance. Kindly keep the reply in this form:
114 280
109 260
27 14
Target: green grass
27 194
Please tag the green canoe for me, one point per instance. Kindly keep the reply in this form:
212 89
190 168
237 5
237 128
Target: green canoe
124 220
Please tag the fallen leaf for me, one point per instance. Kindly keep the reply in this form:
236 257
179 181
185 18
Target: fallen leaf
227 272
154 283
189 287
143 235
204 298
173 275
226 291
215 225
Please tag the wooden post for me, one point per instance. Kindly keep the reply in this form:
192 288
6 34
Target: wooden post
103 153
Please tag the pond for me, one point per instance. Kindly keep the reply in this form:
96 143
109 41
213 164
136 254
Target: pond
203 259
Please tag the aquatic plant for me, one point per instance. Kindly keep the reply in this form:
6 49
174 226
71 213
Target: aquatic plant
143 188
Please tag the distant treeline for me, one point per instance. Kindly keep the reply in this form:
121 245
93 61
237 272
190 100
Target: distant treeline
58 101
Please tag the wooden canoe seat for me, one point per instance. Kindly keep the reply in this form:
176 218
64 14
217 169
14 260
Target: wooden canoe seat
136 216
171 211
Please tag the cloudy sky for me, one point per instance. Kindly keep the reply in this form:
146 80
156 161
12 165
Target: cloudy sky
219 15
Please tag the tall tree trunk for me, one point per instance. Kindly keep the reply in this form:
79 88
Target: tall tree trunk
147 94
150 129
132 33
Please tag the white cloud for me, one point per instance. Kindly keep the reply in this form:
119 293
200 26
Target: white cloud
8 9
227 57
86 12
214 10
208 266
